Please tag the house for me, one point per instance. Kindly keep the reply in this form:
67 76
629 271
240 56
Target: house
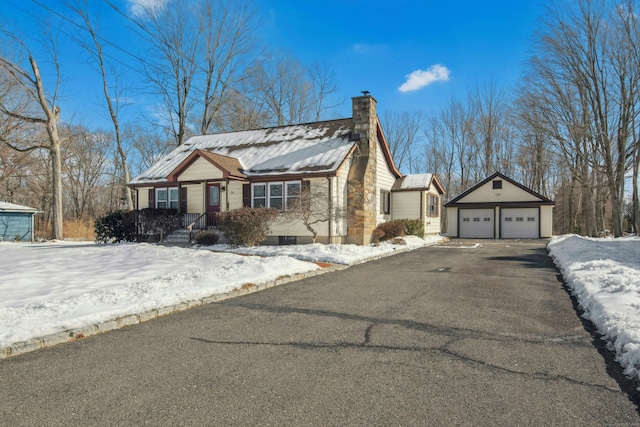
348 160
16 222
418 197
500 208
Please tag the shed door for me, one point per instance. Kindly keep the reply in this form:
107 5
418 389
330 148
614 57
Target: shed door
476 223
520 223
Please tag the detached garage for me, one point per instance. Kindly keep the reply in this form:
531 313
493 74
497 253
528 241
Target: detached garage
16 222
499 208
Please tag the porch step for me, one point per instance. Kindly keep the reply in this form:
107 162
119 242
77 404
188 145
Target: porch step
178 237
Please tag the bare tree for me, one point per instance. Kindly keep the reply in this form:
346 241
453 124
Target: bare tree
288 92
174 37
402 131
312 208
33 104
228 40
280 85
112 102
491 121
583 84
323 87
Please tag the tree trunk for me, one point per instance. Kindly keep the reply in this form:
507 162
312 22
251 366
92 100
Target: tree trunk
56 175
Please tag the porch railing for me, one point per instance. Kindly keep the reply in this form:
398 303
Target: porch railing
195 221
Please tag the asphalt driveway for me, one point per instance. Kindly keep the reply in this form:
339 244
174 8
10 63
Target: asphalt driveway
456 334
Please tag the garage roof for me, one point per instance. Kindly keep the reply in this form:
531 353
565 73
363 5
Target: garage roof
542 200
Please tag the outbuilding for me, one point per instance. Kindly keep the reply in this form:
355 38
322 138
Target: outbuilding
500 208
16 222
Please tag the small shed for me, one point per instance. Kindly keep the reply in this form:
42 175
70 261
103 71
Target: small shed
418 196
500 208
16 222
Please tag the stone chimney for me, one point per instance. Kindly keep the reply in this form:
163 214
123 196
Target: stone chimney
361 193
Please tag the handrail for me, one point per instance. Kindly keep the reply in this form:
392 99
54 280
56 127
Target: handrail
190 226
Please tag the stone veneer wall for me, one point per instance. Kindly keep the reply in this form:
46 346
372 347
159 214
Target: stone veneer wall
361 183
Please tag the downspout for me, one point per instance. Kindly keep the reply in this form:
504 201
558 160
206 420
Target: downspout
226 196
330 210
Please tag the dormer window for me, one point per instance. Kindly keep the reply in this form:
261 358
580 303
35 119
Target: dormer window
497 184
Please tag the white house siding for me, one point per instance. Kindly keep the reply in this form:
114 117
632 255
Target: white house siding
195 198
508 193
233 195
143 197
339 187
406 205
452 221
297 228
200 169
384 181
546 221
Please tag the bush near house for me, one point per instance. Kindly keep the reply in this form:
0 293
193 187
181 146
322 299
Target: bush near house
246 226
387 231
412 227
207 238
136 226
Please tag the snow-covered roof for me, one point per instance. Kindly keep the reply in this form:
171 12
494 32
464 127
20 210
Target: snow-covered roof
10 207
414 182
318 147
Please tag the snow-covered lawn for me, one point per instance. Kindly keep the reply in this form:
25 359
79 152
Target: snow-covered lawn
57 286
604 275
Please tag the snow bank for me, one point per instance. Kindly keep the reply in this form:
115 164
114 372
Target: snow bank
604 275
333 253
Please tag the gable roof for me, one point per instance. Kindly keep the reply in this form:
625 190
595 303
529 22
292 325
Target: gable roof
10 207
230 166
543 200
319 147
416 182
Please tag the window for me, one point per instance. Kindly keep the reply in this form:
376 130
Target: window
497 184
259 195
476 219
519 219
465 219
277 195
531 219
167 198
487 220
433 203
294 192
508 219
385 202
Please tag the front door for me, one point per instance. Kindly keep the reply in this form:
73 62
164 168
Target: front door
213 203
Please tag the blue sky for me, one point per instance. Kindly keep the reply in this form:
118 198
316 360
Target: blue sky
372 45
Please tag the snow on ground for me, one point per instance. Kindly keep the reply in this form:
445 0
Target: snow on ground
604 275
56 286
334 253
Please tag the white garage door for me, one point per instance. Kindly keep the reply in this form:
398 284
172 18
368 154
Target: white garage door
476 223
520 223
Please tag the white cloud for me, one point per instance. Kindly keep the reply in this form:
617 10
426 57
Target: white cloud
141 8
421 78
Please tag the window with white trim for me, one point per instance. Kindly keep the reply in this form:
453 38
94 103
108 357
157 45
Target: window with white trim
294 192
167 198
278 195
